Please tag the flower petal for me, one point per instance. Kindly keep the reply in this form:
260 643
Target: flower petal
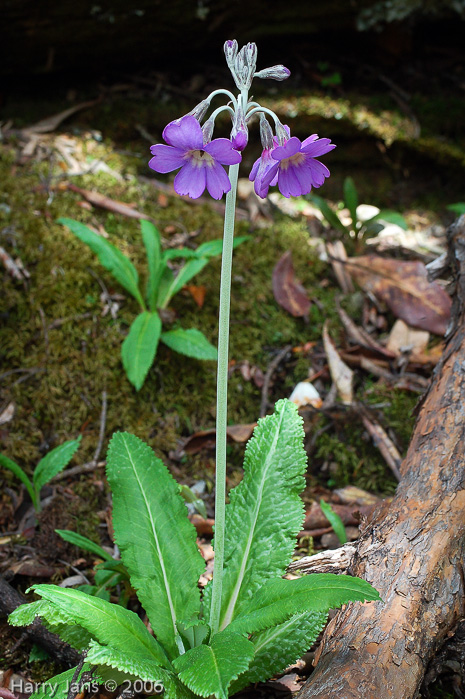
318 171
309 140
190 181
221 149
184 133
283 183
291 147
217 181
265 178
297 182
254 170
305 180
166 158
320 147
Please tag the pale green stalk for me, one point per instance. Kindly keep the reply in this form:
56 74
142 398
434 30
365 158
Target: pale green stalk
222 396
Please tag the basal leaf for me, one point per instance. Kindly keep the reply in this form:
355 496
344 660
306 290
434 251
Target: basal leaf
151 238
164 289
175 253
265 512
331 217
58 687
108 623
137 668
140 347
192 343
278 647
140 666
389 217
54 620
54 462
185 274
351 199
277 600
210 669
84 543
215 247
335 521
110 257
12 466
155 537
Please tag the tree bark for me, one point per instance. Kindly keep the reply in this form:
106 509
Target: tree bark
413 549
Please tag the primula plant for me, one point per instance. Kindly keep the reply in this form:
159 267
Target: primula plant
249 622
47 468
140 345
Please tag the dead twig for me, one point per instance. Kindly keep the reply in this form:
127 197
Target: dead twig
269 373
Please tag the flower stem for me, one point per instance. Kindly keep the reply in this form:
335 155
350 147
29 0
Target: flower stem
222 396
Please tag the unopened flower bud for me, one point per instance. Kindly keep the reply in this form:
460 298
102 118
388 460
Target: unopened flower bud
274 73
282 133
266 133
207 130
239 133
230 51
200 110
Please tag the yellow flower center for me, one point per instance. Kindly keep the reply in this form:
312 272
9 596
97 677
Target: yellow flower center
200 158
296 160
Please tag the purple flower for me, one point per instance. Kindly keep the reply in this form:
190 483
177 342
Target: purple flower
293 166
201 165
259 170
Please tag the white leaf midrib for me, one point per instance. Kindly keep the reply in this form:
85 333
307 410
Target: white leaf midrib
232 603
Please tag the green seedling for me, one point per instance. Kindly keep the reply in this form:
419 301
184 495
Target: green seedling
140 345
53 463
335 521
358 229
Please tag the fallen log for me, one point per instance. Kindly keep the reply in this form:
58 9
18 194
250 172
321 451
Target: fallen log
412 549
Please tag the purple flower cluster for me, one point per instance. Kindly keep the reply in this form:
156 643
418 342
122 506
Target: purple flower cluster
293 166
200 164
285 160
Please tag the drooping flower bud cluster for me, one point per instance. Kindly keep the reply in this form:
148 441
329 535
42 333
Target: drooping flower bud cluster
285 160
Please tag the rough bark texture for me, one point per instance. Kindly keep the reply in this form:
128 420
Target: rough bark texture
413 549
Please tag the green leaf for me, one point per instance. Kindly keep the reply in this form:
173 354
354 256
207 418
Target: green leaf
265 512
351 199
277 600
278 647
140 666
54 619
189 496
192 343
83 543
110 257
58 687
54 462
328 213
184 275
175 253
210 669
38 654
151 238
155 537
335 521
164 288
140 347
458 208
19 473
109 624
215 247
389 217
